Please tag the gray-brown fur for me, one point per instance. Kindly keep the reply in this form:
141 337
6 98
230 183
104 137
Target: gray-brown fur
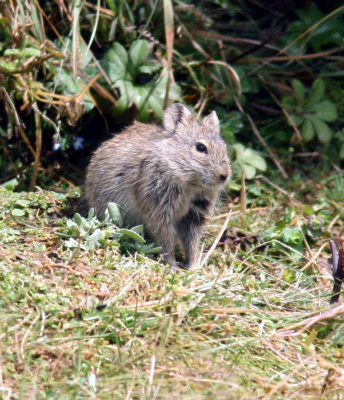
159 176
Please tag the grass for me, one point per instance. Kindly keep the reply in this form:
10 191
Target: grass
100 324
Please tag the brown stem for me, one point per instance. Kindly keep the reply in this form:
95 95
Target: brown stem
38 122
243 194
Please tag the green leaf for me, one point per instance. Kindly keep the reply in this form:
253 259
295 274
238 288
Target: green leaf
115 214
71 243
9 66
341 152
91 213
256 161
296 119
248 171
138 229
326 111
131 234
93 240
289 276
149 67
77 218
117 57
299 90
22 203
316 94
248 160
23 53
138 52
292 235
11 184
18 212
307 130
239 150
73 228
322 130
289 103
71 86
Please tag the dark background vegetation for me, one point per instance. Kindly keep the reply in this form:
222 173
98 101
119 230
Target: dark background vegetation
72 73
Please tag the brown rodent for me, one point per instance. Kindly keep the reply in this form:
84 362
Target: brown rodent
167 178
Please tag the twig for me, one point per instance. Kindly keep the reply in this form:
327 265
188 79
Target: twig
294 201
216 241
243 194
255 209
303 34
18 123
312 260
261 140
231 39
307 323
38 122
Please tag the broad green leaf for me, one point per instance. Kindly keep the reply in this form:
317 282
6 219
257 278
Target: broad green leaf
70 86
118 62
126 99
18 212
77 218
316 94
11 184
307 130
248 171
289 103
131 234
149 67
93 240
289 276
296 119
138 52
251 157
239 150
140 95
156 105
23 53
73 228
341 152
153 95
91 213
138 229
231 185
308 210
22 203
71 243
299 90
292 235
326 111
115 214
322 130
9 66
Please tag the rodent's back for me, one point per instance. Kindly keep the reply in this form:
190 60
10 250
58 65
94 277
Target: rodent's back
158 172
115 167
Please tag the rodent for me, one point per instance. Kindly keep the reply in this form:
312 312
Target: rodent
167 178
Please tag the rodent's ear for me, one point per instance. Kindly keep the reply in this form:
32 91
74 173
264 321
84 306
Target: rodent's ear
212 122
174 114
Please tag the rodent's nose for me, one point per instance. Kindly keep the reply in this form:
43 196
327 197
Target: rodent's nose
223 178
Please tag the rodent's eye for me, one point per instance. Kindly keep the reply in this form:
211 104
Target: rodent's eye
201 148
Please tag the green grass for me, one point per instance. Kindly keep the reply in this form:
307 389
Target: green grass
103 325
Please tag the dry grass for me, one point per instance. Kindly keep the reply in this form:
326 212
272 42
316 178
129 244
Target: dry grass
98 326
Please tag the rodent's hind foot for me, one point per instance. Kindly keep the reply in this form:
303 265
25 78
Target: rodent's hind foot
179 266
